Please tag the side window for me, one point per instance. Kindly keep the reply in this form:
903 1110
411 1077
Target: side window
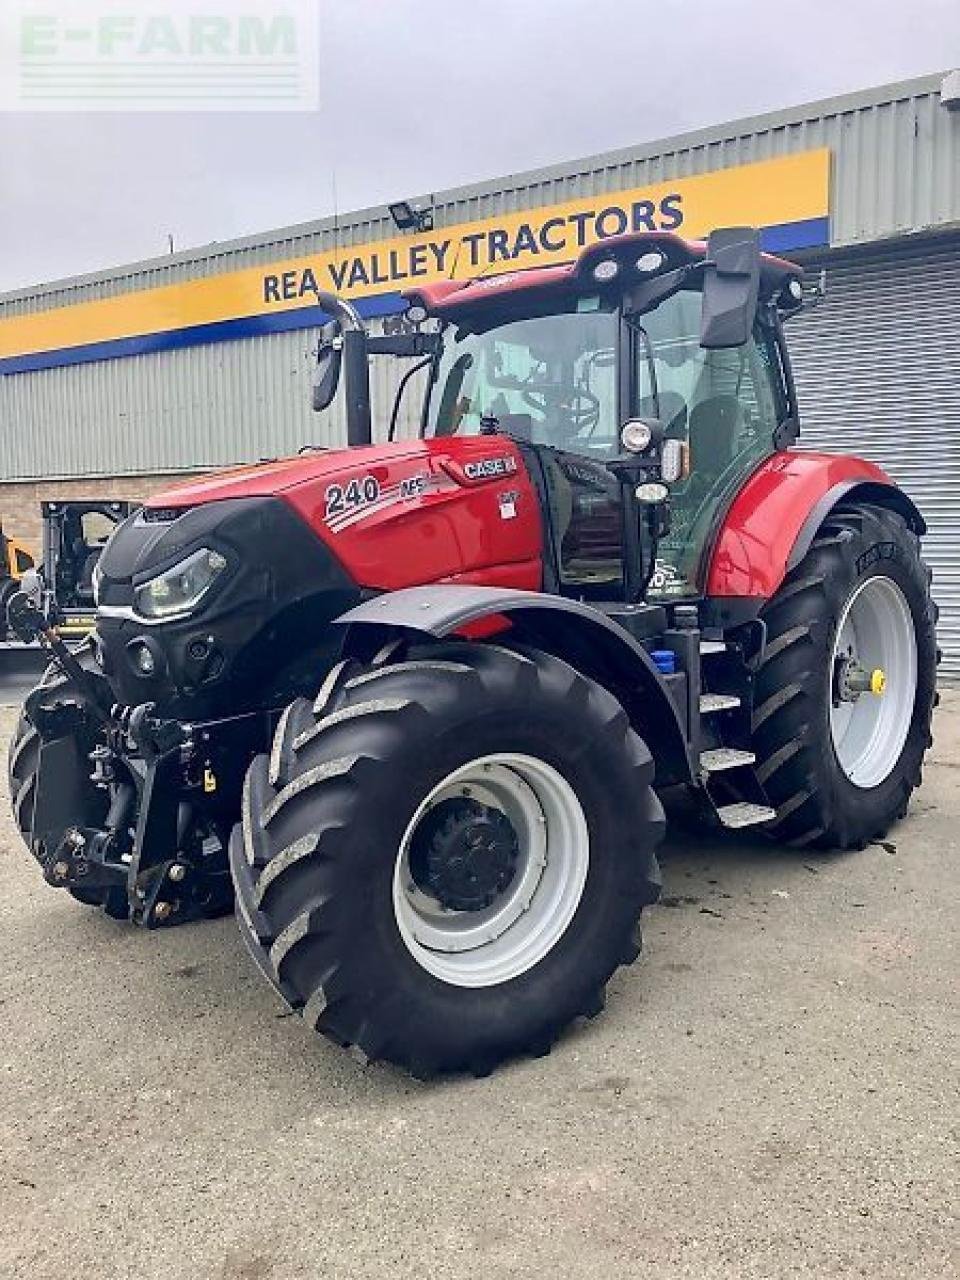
732 391
724 408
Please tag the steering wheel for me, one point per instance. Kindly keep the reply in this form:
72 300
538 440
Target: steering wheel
582 409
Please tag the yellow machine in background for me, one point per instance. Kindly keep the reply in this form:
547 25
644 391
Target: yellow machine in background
15 559
16 556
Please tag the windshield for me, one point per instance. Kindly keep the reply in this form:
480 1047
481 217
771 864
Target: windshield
548 379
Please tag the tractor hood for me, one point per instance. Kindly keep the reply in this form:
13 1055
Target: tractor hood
267 479
397 515
229 584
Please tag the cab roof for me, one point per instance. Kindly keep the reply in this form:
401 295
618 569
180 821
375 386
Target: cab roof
448 297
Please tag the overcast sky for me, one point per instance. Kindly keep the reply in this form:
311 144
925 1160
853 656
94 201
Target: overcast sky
420 95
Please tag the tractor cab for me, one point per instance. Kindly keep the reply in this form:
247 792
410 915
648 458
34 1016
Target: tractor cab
643 385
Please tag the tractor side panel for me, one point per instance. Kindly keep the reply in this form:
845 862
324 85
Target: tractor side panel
450 510
752 550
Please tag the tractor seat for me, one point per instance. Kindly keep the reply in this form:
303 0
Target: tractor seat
714 434
673 413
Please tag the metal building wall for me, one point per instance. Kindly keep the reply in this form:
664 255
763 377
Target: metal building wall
896 168
189 409
878 373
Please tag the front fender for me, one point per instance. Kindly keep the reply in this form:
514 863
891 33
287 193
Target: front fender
579 634
775 517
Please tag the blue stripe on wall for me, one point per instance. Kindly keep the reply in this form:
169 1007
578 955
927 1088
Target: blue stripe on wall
790 235
198 335
808 234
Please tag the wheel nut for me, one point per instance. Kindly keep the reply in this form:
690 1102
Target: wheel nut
177 872
162 911
61 870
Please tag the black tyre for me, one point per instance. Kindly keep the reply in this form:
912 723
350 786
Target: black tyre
23 760
838 761
8 589
418 807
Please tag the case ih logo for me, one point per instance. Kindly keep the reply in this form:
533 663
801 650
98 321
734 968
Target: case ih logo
489 467
168 55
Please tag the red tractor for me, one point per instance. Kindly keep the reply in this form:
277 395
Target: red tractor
411 704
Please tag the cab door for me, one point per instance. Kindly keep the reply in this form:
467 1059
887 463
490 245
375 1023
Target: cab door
585 515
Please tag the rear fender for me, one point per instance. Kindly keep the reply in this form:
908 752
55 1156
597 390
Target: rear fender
580 635
877 495
774 519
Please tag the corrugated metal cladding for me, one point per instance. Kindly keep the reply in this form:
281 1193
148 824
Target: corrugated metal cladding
878 373
188 409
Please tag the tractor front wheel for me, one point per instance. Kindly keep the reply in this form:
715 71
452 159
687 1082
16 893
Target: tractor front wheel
445 858
846 687
23 771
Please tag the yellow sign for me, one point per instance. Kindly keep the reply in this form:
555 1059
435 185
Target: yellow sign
787 197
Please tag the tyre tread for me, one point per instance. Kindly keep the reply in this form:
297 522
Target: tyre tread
287 866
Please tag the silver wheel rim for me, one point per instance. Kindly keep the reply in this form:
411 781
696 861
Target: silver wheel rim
876 628
513 934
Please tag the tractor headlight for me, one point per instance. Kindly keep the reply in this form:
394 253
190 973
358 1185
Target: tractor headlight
180 589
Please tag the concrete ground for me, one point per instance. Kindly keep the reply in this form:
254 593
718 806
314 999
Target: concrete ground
772 1092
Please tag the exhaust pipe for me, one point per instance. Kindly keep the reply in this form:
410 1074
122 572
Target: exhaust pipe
355 361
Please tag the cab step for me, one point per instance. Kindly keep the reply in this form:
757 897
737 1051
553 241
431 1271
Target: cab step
721 758
710 702
745 814
713 646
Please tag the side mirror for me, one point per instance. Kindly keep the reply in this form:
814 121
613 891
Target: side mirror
329 359
731 284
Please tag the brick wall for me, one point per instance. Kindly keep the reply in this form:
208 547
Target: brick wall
20 503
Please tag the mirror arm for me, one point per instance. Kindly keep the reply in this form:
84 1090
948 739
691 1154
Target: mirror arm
405 344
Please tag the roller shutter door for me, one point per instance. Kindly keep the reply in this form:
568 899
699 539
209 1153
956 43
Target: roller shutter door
877 365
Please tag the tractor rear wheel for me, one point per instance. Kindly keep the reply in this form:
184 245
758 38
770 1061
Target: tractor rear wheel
846 687
445 858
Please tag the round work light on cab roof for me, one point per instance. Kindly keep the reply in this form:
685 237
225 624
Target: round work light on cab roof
606 270
649 263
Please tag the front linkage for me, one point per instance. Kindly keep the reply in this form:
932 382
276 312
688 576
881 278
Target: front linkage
157 796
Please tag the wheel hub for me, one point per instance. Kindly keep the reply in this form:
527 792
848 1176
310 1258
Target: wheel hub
464 854
851 679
